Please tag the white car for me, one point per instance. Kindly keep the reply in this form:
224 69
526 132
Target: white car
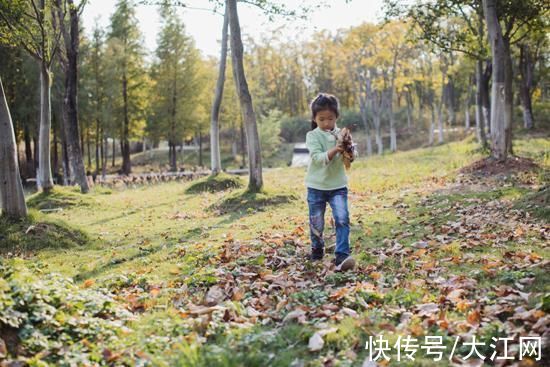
300 155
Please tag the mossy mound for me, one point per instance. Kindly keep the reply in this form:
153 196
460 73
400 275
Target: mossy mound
20 236
245 200
59 197
215 183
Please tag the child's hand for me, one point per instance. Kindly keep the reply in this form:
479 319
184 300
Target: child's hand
333 151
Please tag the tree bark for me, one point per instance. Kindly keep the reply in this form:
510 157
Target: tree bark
364 118
432 121
467 106
410 107
255 181
65 166
467 114
11 188
98 142
55 149
72 131
393 134
501 93
44 173
243 143
485 95
113 155
200 147
526 68
480 115
29 164
440 120
105 153
215 156
125 143
88 148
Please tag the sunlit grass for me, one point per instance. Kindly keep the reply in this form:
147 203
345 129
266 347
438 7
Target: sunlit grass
160 234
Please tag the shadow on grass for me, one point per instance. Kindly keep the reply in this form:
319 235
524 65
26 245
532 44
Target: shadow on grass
59 197
243 202
117 261
34 233
214 183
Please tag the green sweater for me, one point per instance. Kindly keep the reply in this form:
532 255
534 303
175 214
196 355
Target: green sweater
323 174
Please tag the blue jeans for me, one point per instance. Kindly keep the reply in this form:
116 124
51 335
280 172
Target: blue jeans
317 202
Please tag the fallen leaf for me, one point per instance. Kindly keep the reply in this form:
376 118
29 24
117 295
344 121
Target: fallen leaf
456 295
214 296
474 317
427 309
316 342
297 314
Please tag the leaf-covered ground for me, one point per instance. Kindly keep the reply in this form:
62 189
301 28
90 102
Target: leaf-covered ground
219 278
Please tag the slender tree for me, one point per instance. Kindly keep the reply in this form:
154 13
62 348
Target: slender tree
11 189
28 24
178 83
69 63
215 157
127 72
255 181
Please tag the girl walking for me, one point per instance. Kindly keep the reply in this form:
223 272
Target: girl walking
326 181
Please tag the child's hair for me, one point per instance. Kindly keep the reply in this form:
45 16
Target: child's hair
322 102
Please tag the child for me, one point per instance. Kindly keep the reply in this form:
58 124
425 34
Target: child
326 181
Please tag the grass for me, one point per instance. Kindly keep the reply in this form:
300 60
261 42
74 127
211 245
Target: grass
169 237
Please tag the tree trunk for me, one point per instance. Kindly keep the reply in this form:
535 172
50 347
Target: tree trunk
200 148
440 120
105 153
378 137
450 105
29 164
243 144
408 97
35 159
172 155
55 149
480 118
432 121
255 181
98 143
393 134
486 99
364 118
526 68
113 155
44 173
11 188
440 105
64 154
467 106
125 143
215 156
508 96
501 106
88 149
